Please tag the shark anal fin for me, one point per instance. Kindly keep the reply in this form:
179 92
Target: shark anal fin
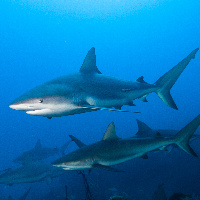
143 98
107 168
130 104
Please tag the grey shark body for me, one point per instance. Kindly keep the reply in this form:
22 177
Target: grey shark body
30 172
90 90
112 150
23 197
39 152
145 131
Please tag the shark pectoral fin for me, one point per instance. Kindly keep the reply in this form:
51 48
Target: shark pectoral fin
48 180
25 195
77 141
144 156
107 168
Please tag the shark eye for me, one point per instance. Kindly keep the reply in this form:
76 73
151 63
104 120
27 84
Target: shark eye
41 100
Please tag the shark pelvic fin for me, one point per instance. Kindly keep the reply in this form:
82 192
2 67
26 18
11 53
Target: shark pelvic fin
38 144
110 132
77 141
107 168
144 156
166 82
25 194
182 138
89 64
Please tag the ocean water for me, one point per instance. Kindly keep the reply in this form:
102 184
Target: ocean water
42 40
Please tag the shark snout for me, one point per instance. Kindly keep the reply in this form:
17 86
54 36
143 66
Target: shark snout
21 106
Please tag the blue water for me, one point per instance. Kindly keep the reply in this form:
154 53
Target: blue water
41 40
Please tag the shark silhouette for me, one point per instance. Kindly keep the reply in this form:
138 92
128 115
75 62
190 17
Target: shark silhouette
112 150
90 90
30 172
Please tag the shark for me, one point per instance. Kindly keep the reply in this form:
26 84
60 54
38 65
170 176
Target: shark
40 152
90 90
145 131
31 172
23 197
112 150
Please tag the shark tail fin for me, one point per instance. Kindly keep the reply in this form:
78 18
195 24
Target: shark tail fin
165 83
183 137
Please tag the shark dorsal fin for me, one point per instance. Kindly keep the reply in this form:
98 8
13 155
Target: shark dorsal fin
110 132
38 144
143 129
89 64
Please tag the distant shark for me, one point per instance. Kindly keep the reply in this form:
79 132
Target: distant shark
23 197
39 152
31 172
112 150
90 90
145 131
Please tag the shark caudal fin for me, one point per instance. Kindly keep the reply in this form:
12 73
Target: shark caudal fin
182 138
166 82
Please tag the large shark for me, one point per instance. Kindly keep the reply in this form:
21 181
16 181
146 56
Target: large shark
112 150
31 172
40 152
90 90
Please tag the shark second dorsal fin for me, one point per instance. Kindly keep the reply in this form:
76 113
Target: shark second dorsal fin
110 132
143 129
89 64
38 144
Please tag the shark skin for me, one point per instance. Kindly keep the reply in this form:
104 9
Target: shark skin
37 153
112 150
30 173
89 90
23 197
145 131
40 152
